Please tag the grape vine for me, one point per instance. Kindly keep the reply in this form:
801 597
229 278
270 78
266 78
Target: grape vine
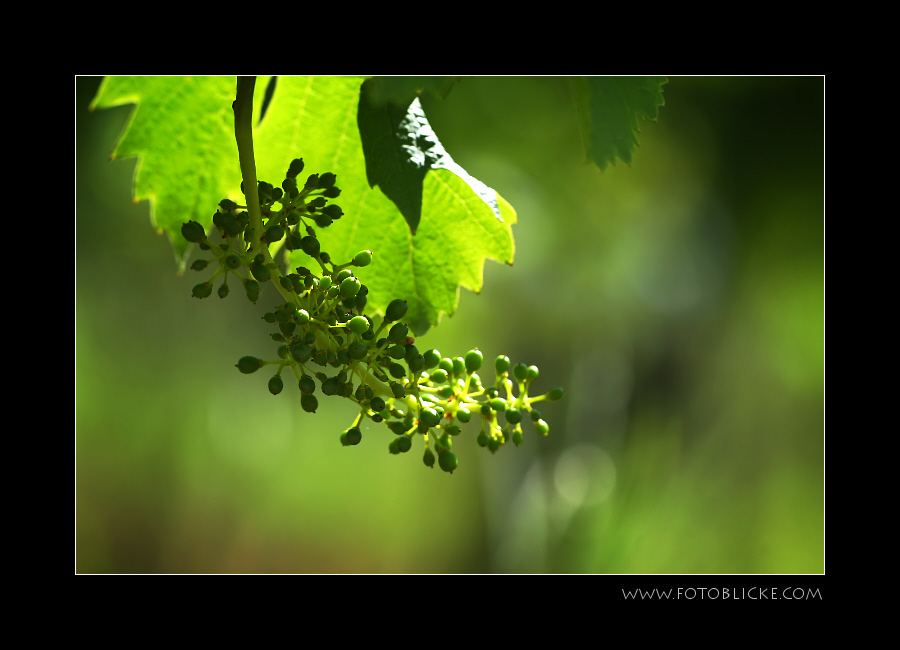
322 321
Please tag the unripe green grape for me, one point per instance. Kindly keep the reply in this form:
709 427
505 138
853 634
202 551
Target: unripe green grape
459 366
395 310
343 357
446 365
261 272
370 393
396 352
473 360
277 337
532 373
193 231
301 352
397 370
357 350
202 290
332 192
360 301
438 376
513 416
350 287
354 435
453 430
486 409
520 371
432 358
318 202
377 404
223 290
491 392
331 386
227 205
403 444
232 225
310 245
463 414
307 385
429 417
295 167
274 233
394 446
332 292
301 317
249 365
276 385
416 363
344 439
483 439
282 352
326 180
428 458
535 415
498 404
555 394
333 211
358 324
398 390
362 258
493 445
448 461
309 403
398 428
501 364
233 262
199 265
398 333
517 437
542 427
323 220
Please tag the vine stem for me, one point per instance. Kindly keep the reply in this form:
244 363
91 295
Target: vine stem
243 135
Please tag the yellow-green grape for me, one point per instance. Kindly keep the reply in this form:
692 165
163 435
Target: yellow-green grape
542 427
432 359
362 258
438 376
501 364
358 324
473 360
463 414
349 287
531 373
520 371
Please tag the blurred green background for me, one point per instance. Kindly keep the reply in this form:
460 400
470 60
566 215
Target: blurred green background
680 302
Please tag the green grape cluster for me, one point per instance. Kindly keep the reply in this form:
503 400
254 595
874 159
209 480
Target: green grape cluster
333 348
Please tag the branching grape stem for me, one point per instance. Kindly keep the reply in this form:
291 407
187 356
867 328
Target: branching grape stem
243 135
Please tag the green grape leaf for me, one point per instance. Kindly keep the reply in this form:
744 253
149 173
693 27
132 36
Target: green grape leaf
400 147
400 91
608 111
183 131
462 221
